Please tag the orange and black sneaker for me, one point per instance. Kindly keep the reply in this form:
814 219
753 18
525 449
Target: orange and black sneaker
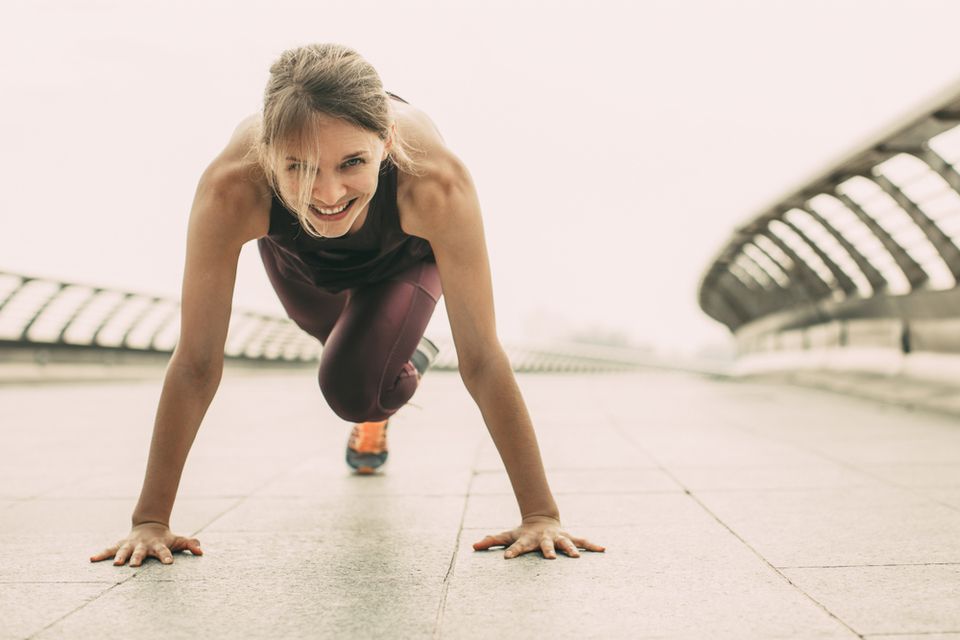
367 447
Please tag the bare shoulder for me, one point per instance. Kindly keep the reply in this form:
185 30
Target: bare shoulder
442 185
233 191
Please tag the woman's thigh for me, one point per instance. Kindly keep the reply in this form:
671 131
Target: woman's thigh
312 309
365 369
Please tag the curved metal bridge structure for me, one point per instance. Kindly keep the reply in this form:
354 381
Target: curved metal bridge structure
47 321
864 257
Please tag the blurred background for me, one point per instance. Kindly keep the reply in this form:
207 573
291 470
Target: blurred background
615 145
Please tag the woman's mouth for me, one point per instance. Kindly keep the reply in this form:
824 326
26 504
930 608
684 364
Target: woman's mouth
331 214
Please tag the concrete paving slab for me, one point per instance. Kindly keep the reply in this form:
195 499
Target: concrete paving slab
323 477
802 476
358 513
341 608
849 526
918 636
110 518
60 557
566 481
887 599
500 511
603 448
917 475
935 448
28 480
679 575
204 477
826 475
28 608
949 496
416 557
721 447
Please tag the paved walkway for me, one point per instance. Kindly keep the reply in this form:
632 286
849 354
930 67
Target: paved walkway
729 510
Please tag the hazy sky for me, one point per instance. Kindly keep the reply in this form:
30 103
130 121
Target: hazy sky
614 145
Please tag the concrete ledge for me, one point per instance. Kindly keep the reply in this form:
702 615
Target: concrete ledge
919 380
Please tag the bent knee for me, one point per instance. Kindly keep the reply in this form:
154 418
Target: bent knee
352 398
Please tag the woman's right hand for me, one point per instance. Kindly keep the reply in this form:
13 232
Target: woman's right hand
148 539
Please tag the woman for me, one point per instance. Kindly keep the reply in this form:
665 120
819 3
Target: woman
360 212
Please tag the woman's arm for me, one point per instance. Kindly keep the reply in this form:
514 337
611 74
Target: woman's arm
228 210
447 213
215 236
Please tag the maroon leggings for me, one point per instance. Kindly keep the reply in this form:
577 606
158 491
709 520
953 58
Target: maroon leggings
368 333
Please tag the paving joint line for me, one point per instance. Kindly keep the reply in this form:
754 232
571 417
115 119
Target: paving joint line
132 576
687 491
82 606
448 577
243 498
910 634
850 466
884 564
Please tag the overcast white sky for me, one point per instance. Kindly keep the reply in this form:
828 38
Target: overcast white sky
615 145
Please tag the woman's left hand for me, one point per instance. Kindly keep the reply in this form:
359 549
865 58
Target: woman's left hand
534 533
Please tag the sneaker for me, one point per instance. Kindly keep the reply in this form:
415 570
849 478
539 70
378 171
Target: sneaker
367 447
424 356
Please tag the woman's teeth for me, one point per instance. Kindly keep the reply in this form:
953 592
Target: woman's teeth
330 212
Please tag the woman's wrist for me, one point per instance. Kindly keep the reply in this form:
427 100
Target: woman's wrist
541 517
137 523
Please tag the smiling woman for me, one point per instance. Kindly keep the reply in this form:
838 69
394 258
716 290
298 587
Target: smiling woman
363 219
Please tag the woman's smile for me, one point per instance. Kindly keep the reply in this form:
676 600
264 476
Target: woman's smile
334 213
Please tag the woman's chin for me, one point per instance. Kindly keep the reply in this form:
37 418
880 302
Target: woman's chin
335 229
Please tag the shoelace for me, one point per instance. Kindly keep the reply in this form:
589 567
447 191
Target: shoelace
369 437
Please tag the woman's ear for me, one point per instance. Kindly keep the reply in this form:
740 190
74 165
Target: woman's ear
389 142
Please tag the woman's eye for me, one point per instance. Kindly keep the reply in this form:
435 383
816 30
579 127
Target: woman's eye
293 167
358 161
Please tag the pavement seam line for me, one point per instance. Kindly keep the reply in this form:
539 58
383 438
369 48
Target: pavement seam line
243 498
136 573
850 466
82 606
441 608
917 404
629 437
886 564
909 634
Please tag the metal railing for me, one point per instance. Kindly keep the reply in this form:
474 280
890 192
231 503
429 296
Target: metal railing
46 316
44 320
867 253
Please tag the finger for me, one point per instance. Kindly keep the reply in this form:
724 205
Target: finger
138 554
518 548
504 539
583 543
122 554
546 546
163 554
187 544
568 547
109 552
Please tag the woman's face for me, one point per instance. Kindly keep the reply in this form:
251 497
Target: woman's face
347 165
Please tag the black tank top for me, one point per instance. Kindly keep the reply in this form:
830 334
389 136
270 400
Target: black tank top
375 252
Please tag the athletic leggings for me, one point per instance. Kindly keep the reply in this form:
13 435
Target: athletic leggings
368 333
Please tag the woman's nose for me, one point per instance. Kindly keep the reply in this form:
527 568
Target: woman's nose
328 192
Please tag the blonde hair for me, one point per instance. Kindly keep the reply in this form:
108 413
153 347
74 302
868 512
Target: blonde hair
329 79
